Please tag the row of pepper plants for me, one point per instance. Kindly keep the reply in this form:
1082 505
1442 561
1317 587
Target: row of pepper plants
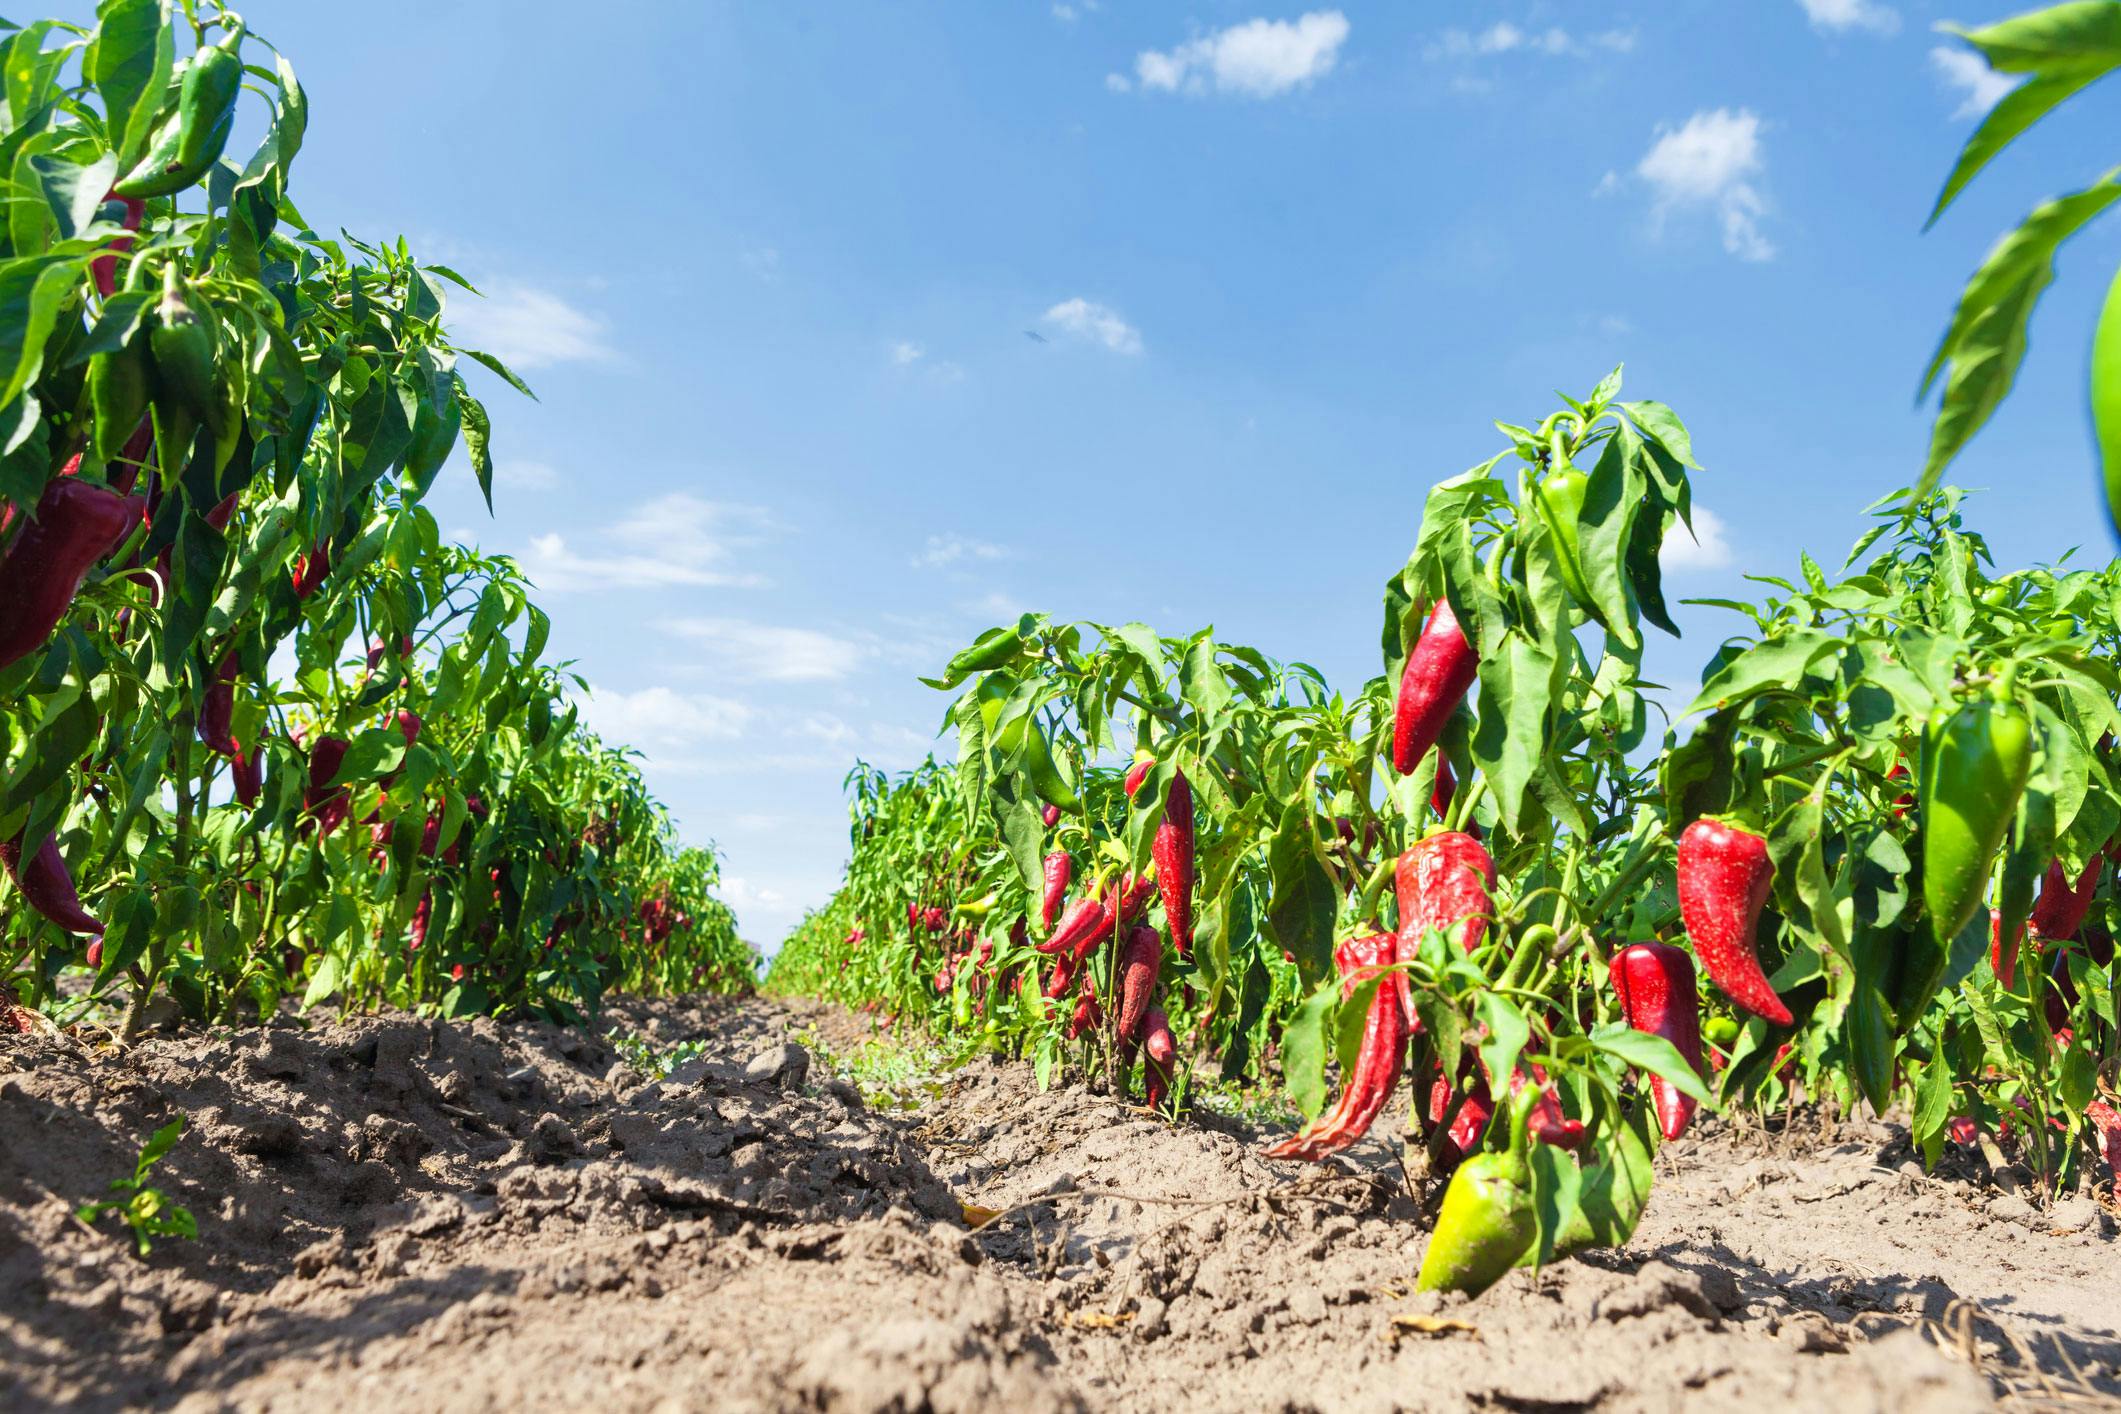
261 731
1498 872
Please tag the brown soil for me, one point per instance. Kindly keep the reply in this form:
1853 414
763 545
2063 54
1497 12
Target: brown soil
405 1214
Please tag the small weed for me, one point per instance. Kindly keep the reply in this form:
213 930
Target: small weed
147 1211
650 1059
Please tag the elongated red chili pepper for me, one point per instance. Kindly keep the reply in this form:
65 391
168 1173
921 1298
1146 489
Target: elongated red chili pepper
1440 668
1442 882
47 886
1136 774
246 775
1548 1122
1384 1042
1138 969
76 525
328 803
1131 895
217 709
311 570
2062 906
1172 851
1088 1014
1724 878
1160 1047
104 268
1063 978
1469 1123
1655 984
422 918
1059 868
2105 1124
1446 787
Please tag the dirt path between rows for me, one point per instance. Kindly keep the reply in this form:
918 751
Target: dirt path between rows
397 1213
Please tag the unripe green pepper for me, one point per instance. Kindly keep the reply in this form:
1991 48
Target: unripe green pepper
1488 1219
1560 495
192 138
2106 397
183 346
1975 761
119 385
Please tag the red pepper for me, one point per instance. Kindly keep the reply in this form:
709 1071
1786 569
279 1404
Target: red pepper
2061 909
1059 867
76 524
1050 815
104 268
422 917
1548 1122
1138 969
1443 882
1088 1014
1724 879
1469 1123
1384 1042
2105 1122
311 570
1655 984
1133 892
1063 977
47 886
217 710
246 774
1440 668
409 725
1136 774
934 919
328 803
1446 787
1172 850
1161 1049
2006 968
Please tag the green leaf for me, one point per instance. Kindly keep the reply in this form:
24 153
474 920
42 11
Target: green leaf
500 368
1986 341
1508 1031
1304 899
32 291
123 62
1662 426
478 438
1303 1048
1517 686
1650 1053
2013 114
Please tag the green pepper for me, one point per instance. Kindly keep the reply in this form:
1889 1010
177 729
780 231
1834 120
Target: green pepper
119 383
1560 496
192 138
1975 761
2106 397
1489 1218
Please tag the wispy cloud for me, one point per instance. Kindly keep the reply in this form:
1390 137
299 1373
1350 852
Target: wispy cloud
944 550
903 353
1260 58
1836 16
755 652
1708 548
1980 87
677 539
660 717
1712 161
1506 38
525 476
527 327
1082 319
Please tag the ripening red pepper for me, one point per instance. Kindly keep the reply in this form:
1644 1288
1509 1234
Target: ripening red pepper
409 725
1724 878
311 570
104 268
2105 1124
1469 1123
1655 984
1064 969
1446 787
1086 924
1050 816
1443 881
1440 668
75 525
1369 1085
1088 1015
422 918
1138 969
246 775
1132 893
1059 868
1136 774
1172 851
1160 1047
327 802
2062 906
934 918
47 886
217 709
1548 1122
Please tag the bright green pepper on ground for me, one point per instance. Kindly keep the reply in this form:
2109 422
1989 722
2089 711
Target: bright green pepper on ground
1489 1219
1975 761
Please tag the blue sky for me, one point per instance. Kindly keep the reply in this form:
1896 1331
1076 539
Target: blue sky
771 269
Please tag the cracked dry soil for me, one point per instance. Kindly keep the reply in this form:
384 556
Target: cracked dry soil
404 1213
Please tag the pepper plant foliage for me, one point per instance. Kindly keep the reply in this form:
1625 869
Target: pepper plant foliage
413 813
1813 731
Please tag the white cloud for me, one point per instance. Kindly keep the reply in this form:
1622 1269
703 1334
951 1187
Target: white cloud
1258 59
1838 15
1064 13
903 353
525 476
1119 83
1503 37
1711 162
1981 87
660 717
949 549
1708 548
674 540
769 653
1085 320
526 327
